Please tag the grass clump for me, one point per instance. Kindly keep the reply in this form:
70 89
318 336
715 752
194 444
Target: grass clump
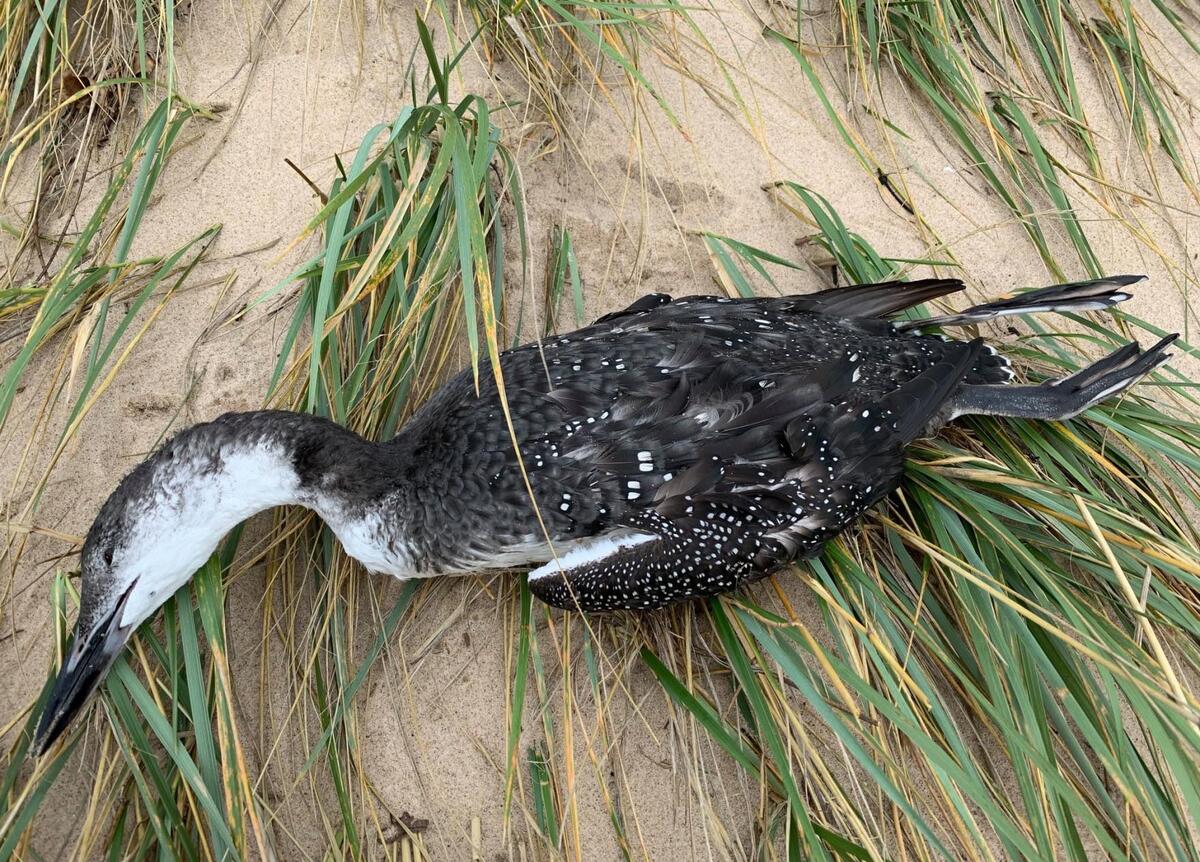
555 43
412 260
1002 82
425 178
68 73
412 257
97 271
624 55
1004 665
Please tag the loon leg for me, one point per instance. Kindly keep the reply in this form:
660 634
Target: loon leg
1065 397
1075 297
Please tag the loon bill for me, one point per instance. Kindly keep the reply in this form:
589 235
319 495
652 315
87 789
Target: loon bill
678 448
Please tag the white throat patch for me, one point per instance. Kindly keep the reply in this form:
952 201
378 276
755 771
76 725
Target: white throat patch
188 513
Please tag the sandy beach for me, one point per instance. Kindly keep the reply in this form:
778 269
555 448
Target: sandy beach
286 91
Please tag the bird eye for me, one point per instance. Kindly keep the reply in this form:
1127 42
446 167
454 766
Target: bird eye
108 556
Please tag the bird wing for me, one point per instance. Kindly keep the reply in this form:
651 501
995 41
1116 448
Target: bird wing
757 496
649 302
877 300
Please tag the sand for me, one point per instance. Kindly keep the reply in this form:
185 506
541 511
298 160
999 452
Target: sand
432 718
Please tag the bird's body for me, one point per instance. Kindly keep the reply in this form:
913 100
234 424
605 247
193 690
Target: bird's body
707 439
609 416
678 448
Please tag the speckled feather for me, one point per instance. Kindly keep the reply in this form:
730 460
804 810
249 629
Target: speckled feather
678 418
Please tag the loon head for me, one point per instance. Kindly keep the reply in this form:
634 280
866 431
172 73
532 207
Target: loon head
152 534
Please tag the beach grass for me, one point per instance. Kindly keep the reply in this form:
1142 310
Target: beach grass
1006 651
1008 647
412 266
1003 82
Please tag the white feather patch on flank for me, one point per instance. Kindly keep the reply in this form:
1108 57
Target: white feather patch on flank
591 551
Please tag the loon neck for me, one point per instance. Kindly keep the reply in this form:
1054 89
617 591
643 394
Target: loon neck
240 464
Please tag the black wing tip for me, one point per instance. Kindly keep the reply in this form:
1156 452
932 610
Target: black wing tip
1097 285
953 284
878 299
648 302
1159 349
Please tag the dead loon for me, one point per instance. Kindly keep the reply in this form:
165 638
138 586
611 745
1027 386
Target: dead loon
676 449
